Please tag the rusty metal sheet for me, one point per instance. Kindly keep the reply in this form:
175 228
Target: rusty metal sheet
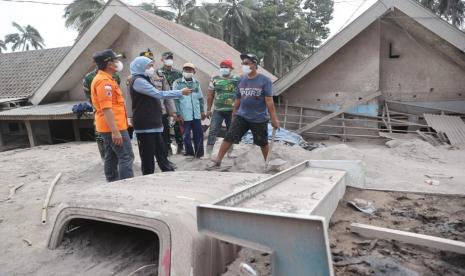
452 126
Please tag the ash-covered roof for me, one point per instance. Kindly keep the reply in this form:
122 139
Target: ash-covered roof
22 73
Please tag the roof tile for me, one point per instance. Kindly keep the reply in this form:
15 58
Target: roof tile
23 72
210 48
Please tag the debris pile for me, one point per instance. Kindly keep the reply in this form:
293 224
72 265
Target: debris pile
415 149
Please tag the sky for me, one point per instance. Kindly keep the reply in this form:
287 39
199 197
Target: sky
49 21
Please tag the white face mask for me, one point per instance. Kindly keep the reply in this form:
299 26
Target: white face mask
150 72
187 75
168 62
246 69
118 66
225 72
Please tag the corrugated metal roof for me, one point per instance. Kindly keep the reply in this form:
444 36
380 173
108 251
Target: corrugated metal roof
61 110
452 126
22 73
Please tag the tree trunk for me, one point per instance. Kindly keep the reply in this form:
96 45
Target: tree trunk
268 60
231 36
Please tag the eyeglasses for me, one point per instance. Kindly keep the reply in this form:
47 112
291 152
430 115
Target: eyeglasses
247 63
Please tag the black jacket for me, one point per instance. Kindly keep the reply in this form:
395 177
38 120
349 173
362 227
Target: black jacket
146 110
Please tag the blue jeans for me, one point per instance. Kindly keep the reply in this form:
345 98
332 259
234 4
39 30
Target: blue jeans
216 122
118 159
196 127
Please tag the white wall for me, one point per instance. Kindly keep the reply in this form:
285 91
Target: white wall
421 73
352 69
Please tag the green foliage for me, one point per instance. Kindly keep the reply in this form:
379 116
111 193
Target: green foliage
181 7
206 18
451 10
2 46
27 37
318 14
238 21
152 8
81 13
280 32
288 31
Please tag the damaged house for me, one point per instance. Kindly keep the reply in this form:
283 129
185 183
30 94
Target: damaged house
383 72
49 93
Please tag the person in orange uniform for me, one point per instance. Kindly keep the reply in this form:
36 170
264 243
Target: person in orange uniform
111 117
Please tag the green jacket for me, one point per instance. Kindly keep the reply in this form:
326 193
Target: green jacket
170 75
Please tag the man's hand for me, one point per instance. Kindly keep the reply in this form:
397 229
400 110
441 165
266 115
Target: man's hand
175 117
116 138
186 91
209 114
275 124
203 116
130 122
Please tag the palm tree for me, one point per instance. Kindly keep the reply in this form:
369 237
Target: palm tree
26 38
81 13
152 8
2 46
451 10
238 20
180 6
206 18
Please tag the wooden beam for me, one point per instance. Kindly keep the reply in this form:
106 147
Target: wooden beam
1 136
30 134
346 106
77 135
344 136
408 237
388 116
285 115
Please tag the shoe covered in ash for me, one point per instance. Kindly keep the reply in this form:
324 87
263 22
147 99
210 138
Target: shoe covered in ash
173 165
214 165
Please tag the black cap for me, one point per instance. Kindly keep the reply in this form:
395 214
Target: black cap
167 55
105 56
252 57
147 53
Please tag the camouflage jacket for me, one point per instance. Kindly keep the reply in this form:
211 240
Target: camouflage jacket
170 75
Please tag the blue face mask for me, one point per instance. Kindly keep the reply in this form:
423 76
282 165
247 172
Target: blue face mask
225 72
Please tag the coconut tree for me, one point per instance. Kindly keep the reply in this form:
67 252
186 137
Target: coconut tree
27 37
2 46
152 8
81 13
181 7
451 10
238 20
206 18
